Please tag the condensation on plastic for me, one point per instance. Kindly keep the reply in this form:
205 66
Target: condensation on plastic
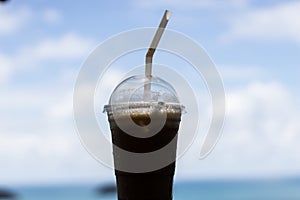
131 93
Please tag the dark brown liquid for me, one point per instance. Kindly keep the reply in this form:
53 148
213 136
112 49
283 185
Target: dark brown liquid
148 144
149 185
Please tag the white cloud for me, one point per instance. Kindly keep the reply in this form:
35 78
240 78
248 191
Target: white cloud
5 68
262 125
37 129
69 47
52 16
63 108
190 4
260 137
13 21
47 157
38 141
271 23
244 73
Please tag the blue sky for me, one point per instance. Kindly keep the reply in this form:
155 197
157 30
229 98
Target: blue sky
255 45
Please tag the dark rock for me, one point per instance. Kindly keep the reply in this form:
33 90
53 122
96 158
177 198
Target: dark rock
6 194
107 189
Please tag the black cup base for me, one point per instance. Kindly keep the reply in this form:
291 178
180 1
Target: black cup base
146 186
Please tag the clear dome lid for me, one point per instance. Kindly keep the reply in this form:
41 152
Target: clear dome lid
141 91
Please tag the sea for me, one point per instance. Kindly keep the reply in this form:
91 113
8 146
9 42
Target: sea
192 190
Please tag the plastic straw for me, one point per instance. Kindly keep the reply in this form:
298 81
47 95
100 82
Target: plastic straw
155 41
152 48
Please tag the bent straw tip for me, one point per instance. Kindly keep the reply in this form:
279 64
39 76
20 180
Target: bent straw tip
168 14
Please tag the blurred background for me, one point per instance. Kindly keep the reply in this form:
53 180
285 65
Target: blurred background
254 44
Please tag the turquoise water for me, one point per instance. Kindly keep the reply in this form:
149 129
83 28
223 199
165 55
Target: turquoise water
206 190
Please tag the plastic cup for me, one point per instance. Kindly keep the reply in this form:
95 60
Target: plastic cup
143 123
